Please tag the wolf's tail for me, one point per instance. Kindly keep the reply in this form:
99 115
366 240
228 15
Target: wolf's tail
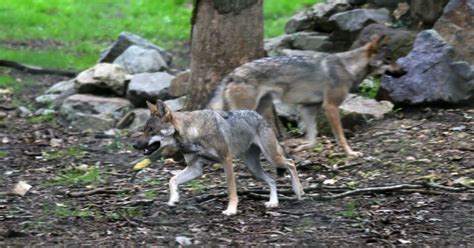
217 101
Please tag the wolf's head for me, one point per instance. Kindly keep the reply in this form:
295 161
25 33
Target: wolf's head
158 131
380 58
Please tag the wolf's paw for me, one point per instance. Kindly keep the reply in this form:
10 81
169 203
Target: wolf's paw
355 154
230 212
304 147
270 204
173 202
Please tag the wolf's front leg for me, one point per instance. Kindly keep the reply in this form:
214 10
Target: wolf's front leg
192 171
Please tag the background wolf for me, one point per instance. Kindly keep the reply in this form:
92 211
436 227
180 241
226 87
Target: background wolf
307 81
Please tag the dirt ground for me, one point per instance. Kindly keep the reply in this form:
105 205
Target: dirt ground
410 146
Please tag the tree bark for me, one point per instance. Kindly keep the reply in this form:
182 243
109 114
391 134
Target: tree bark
225 34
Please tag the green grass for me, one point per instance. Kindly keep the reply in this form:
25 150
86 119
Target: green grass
8 82
76 152
73 176
79 29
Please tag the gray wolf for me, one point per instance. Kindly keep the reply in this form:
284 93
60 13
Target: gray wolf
216 136
310 82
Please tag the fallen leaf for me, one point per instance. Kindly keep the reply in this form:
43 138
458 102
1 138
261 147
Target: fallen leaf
21 188
329 182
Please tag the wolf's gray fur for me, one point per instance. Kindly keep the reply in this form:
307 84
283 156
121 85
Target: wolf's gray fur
220 136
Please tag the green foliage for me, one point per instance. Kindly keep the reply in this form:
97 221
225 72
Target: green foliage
8 82
74 176
351 210
370 87
293 130
43 118
62 210
70 33
3 154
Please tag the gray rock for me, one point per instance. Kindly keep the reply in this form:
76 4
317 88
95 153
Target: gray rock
298 41
45 100
176 104
148 86
61 87
272 46
140 116
93 112
310 41
179 84
427 11
23 112
101 79
139 60
432 75
355 111
349 24
44 111
399 41
290 52
316 17
299 22
321 13
355 20
126 40
456 26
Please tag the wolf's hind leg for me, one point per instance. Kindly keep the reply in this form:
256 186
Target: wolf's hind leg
308 113
192 171
274 154
252 160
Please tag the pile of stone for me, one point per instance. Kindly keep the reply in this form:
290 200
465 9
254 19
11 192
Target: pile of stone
439 60
129 72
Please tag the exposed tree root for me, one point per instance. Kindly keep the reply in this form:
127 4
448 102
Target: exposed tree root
35 69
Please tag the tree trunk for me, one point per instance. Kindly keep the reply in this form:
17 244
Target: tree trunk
225 35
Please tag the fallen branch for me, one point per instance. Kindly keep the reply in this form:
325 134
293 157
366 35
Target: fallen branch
96 191
35 69
425 188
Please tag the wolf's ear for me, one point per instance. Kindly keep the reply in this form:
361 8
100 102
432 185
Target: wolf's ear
163 111
152 107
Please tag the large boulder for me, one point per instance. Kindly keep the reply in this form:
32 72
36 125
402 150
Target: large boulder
55 95
433 74
400 41
126 40
101 79
316 17
139 60
93 112
314 41
427 12
148 86
349 24
456 26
